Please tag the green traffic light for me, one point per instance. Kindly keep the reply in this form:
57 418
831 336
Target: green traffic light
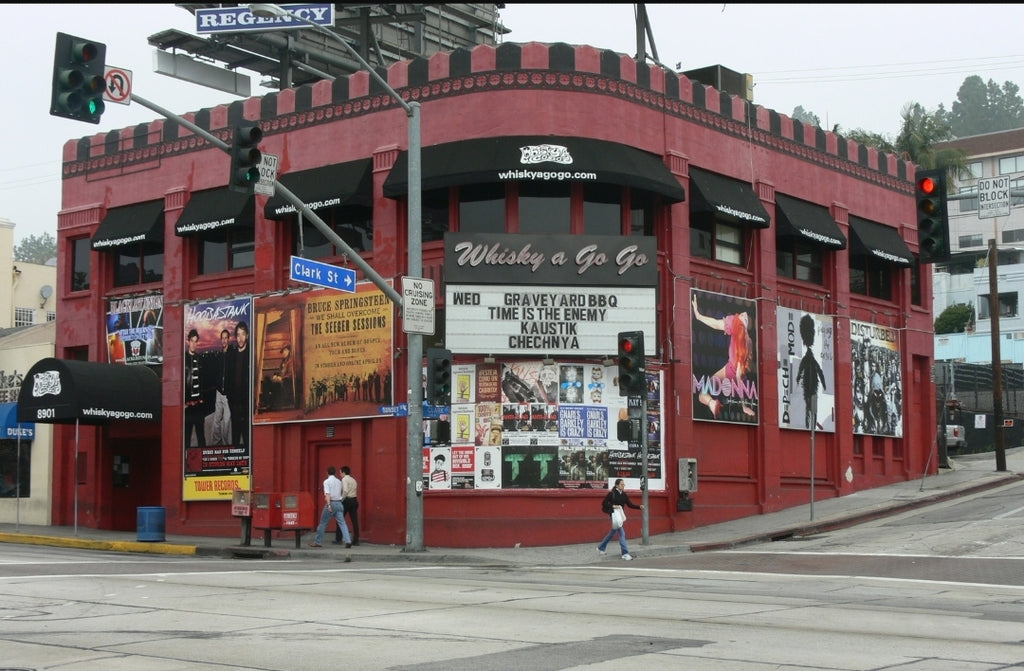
78 78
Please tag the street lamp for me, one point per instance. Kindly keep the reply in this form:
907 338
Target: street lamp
414 456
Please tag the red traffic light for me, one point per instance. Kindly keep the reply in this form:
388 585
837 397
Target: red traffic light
926 185
626 346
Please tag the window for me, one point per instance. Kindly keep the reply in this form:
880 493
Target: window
544 208
81 264
138 264
871 277
24 316
15 473
711 239
641 214
1016 199
974 240
971 171
226 249
51 316
353 224
798 259
1011 164
1007 305
1011 235
602 209
969 204
482 208
434 214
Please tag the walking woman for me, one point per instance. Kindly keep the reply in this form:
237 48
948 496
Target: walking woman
616 499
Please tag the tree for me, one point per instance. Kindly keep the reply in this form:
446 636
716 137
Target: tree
985 108
36 249
806 116
920 131
871 139
954 319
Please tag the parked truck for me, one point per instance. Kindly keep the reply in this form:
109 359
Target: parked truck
956 437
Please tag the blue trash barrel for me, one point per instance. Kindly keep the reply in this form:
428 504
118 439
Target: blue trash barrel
152 523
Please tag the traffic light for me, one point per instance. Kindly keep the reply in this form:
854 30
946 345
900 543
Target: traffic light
439 376
932 215
78 79
245 159
632 365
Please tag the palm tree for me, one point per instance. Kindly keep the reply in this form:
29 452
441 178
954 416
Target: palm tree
919 133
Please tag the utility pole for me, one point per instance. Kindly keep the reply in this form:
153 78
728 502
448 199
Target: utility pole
997 365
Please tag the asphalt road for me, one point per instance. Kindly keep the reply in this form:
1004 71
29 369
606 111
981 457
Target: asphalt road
933 588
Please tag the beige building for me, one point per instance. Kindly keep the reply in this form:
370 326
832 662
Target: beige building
27 334
26 292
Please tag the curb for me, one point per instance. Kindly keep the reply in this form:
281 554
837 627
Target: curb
841 522
113 546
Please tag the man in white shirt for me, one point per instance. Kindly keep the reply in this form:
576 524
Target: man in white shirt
332 508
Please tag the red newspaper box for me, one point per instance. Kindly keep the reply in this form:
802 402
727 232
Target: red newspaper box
297 512
266 513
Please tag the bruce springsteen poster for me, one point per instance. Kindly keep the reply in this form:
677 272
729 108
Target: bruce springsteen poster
323 355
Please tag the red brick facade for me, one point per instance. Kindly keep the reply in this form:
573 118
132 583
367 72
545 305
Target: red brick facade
512 90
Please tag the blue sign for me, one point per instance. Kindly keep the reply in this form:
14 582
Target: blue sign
400 410
323 274
241 19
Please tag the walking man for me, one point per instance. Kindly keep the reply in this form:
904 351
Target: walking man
350 504
332 508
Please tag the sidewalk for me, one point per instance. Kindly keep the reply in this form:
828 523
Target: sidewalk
968 474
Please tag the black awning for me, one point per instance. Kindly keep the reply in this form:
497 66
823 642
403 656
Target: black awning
130 225
215 208
62 391
880 241
726 198
320 188
500 159
800 219
11 428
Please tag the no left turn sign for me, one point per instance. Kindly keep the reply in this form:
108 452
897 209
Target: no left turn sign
119 85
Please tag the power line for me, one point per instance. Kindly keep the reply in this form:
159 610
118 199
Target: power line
891 70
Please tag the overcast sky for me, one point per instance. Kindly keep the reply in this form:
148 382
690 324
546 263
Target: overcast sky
852 65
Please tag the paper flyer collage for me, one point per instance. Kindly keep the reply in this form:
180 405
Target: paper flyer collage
537 425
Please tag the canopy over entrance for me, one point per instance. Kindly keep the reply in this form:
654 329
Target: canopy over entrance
59 391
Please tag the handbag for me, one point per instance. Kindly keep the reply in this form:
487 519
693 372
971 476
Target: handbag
618 518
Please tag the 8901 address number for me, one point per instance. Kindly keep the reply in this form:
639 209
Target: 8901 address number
45 413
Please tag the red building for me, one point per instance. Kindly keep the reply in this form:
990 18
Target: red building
569 193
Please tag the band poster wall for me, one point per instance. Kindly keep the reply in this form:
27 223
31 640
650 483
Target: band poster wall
135 330
533 425
323 354
724 356
217 402
807 370
877 380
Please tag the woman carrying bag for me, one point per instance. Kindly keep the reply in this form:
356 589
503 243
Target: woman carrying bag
614 505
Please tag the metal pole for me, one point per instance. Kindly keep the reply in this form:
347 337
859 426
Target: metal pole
74 476
292 199
815 421
645 528
17 484
414 427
